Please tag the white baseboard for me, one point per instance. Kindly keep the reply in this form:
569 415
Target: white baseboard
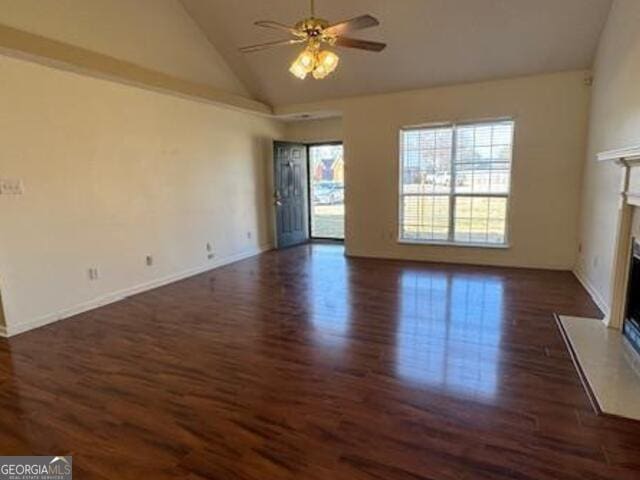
476 261
116 296
592 291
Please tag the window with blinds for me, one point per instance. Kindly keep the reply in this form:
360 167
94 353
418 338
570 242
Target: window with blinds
455 182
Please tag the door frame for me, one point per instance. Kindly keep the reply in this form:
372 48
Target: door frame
309 196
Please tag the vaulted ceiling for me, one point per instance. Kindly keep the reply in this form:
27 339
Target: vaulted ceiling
430 42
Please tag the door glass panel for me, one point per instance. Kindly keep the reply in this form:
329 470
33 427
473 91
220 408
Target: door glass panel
326 177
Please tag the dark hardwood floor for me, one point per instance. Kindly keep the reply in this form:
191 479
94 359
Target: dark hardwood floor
303 364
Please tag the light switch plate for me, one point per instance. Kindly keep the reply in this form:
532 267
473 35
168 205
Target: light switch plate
11 186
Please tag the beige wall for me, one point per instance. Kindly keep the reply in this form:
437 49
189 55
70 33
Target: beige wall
314 131
113 173
551 120
615 123
157 34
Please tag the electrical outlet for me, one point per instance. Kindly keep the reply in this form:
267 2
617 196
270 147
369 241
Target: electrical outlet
11 186
249 235
94 274
209 247
149 260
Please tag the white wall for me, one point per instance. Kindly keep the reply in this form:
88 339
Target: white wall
551 113
157 34
615 123
113 173
315 131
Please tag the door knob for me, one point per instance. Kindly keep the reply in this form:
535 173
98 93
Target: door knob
277 201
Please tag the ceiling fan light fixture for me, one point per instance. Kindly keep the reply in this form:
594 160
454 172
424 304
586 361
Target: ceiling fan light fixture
307 59
326 64
328 61
315 33
304 64
319 73
319 63
298 70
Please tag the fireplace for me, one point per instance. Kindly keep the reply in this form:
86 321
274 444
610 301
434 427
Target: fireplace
631 326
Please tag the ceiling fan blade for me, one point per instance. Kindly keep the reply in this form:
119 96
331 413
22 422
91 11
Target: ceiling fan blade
277 43
358 23
361 44
277 26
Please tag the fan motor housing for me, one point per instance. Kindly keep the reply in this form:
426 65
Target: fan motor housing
313 27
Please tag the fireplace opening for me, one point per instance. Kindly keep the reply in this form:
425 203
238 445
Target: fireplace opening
631 327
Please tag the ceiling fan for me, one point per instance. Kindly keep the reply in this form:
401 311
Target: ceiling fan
316 33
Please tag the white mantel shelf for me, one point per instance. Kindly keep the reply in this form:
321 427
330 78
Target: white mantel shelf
629 154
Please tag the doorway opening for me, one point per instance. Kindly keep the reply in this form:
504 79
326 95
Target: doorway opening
326 191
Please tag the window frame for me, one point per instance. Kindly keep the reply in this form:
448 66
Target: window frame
451 242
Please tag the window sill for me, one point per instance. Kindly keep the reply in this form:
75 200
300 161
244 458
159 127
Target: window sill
501 246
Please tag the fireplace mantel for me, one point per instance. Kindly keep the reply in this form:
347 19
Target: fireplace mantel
622 155
629 159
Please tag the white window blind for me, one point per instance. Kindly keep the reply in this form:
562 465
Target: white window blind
455 182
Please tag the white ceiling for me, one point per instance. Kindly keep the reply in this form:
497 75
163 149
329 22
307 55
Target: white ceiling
430 42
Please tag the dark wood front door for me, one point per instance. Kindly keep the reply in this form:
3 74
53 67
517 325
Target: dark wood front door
291 195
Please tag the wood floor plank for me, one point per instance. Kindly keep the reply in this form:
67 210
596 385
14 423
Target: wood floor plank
305 364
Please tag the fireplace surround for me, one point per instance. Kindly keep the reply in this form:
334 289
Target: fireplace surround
606 352
628 220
